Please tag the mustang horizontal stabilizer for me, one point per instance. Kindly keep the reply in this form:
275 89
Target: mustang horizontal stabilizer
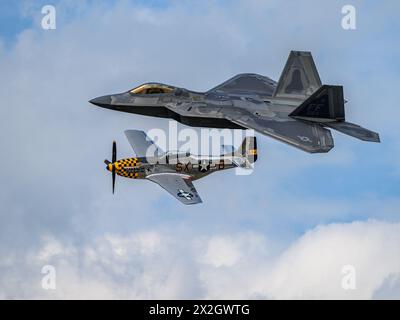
354 130
299 78
326 104
179 185
142 145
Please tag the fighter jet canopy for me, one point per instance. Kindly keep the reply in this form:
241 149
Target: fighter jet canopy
152 88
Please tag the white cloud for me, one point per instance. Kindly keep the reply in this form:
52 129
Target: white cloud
312 266
158 265
227 251
390 288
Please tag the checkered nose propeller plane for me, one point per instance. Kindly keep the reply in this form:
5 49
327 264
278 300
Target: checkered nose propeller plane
175 171
297 110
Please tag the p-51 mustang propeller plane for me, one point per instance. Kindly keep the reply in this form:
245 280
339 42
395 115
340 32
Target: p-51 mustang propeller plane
175 171
297 110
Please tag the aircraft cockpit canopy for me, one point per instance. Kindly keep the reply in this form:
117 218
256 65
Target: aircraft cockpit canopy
152 88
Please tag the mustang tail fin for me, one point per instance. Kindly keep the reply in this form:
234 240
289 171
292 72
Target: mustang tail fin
248 149
245 155
299 78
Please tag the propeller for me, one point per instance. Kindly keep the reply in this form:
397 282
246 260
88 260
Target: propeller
108 163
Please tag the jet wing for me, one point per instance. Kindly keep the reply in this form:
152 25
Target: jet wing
247 83
307 136
179 185
142 145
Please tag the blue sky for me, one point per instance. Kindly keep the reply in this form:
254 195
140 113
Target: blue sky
11 21
62 198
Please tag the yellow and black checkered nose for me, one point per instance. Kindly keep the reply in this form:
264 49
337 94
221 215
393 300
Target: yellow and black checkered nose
131 162
121 164
121 167
117 165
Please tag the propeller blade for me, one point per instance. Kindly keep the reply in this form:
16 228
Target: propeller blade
113 179
114 152
114 159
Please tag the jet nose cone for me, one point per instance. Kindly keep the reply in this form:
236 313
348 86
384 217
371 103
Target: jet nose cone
103 101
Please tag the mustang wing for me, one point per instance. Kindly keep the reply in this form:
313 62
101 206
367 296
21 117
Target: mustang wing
309 137
247 83
142 145
179 185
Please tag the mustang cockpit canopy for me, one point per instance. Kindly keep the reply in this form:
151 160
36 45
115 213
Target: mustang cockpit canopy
152 88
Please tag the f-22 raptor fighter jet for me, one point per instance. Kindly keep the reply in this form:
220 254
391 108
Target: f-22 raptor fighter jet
297 110
175 171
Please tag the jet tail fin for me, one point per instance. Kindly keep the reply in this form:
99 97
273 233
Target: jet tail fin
326 106
323 104
299 78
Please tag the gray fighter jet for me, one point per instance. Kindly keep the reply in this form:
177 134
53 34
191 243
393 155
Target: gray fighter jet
296 110
175 171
